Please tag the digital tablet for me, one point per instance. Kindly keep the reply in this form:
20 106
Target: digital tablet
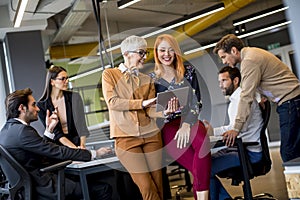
164 97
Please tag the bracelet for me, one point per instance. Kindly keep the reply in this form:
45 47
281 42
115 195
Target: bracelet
235 129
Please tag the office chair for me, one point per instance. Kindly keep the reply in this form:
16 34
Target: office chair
4 193
20 183
180 170
247 170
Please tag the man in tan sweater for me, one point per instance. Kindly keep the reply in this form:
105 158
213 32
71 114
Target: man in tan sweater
129 95
263 72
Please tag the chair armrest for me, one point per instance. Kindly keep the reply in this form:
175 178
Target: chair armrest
250 143
220 143
57 166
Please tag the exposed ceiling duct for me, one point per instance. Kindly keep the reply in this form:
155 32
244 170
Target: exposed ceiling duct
69 26
35 17
72 22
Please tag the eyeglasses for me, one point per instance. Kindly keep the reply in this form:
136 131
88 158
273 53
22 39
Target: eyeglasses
142 53
64 78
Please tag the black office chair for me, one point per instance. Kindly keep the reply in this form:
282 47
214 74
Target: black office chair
247 170
177 172
180 170
20 183
4 192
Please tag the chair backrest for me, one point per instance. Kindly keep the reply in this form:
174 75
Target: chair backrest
16 175
249 170
266 162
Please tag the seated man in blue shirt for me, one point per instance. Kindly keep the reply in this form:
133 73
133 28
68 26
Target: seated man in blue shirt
229 82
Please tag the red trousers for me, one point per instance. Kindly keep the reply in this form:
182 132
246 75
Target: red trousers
195 157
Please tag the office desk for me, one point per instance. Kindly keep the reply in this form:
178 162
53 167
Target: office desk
82 169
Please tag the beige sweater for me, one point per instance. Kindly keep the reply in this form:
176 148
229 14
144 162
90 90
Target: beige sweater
263 72
124 99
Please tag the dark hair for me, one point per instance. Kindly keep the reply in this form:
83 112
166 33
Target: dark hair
14 100
51 74
227 42
232 71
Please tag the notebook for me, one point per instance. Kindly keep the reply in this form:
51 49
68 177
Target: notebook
164 97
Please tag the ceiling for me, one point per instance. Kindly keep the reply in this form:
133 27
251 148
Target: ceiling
69 23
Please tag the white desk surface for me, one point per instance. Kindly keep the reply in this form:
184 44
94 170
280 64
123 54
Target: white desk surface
81 164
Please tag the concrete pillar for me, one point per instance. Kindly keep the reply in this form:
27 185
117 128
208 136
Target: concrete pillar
26 63
294 29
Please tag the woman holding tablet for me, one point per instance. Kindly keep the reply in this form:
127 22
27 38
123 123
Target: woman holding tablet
183 134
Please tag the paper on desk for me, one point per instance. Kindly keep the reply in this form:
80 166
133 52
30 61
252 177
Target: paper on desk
81 164
213 141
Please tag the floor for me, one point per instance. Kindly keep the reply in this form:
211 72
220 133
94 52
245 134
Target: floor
273 182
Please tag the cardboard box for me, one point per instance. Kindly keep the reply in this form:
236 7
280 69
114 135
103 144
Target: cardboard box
293 184
292 178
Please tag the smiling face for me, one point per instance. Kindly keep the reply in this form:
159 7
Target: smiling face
135 58
165 53
61 81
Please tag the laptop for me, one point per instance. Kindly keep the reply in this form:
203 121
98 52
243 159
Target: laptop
164 97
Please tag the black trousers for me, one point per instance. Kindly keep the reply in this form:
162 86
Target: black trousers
97 189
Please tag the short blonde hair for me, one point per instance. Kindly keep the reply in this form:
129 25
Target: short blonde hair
133 43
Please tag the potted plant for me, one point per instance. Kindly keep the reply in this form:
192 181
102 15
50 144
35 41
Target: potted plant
87 104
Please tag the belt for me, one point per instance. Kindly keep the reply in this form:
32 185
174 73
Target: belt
290 100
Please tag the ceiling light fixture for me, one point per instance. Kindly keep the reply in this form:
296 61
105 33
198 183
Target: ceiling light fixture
125 3
259 15
20 12
187 19
240 36
179 22
264 29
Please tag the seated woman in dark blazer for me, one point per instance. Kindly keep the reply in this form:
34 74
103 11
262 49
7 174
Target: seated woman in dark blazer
71 130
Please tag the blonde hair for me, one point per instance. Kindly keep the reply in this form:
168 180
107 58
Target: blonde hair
178 61
133 43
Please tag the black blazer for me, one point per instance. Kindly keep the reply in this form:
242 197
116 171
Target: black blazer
33 152
75 117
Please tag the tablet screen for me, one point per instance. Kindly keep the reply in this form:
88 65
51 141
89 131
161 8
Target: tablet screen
164 97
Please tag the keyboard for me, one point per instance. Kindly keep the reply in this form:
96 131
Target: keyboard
108 155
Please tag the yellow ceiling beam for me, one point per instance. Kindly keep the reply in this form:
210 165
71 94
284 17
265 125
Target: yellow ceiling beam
201 24
73 50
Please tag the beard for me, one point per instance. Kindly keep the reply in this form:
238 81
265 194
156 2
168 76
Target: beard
229 90
31 117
